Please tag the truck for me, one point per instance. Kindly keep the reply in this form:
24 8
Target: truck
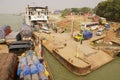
89 25
4 31
102 21
26 32
20 41
24 40
20 46
13 36
107 26
84 35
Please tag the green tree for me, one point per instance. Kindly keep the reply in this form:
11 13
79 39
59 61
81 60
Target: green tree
75 10
109 9
66 12
86 9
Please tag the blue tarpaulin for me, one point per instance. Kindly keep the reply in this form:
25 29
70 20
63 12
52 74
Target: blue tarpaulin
26 71
40 66
87 34
34 69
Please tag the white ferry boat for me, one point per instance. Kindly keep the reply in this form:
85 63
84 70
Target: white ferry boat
35 15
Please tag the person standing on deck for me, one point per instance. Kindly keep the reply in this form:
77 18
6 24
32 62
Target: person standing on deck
65 43
81 39
39 49
41 52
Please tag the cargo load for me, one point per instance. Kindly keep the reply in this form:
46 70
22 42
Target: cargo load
20 46
26 32
107 26
13 36
87 34
4 31
30 68
2 36
84 35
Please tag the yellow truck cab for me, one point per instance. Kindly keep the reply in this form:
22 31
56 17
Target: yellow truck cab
83 36
102 20
78 36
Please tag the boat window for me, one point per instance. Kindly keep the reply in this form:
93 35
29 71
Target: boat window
38 13
29 13
29 17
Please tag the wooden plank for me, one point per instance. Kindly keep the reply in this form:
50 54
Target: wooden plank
97 38
116 42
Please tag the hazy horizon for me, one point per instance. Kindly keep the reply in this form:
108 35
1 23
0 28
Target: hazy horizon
18 6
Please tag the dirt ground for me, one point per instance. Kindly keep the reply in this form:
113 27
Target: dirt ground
66 23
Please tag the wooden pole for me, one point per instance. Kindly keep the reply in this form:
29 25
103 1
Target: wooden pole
72 26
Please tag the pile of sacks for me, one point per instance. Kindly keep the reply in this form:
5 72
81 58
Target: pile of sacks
31 68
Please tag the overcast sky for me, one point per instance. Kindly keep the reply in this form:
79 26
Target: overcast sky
16 6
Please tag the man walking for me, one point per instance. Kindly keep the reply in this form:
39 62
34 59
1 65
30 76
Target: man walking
81 39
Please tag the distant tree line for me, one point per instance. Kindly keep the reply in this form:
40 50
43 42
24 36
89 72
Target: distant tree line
109 9
76 11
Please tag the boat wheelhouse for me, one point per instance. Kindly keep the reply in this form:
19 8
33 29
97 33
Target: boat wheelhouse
34 15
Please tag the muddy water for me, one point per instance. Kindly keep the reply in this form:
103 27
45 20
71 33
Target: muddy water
109 71
15 21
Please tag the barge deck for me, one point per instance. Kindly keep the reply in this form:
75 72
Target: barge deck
80 59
